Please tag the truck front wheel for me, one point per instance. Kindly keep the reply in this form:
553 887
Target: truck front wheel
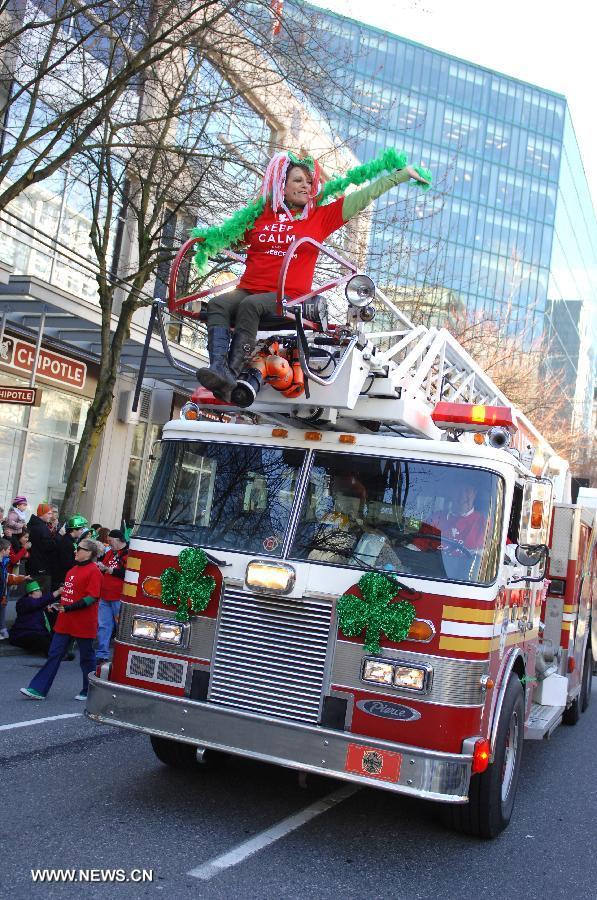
492 793
174 753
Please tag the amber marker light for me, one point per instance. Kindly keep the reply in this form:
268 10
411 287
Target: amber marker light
347 439
481 756
279 432
152 587
420 630
537 514
479 438
312 435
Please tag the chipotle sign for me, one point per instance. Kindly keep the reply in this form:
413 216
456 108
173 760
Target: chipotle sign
62 369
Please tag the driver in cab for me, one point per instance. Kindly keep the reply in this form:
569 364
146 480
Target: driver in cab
463 524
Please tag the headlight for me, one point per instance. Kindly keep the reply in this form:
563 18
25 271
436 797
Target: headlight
144 628
266 576
409 677
397 674
377 671
169 633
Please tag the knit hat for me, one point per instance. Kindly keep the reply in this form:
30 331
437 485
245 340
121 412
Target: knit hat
43 508
31 586
117 533
18 500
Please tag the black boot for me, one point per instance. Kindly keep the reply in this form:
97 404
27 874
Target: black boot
241 351
242 346
217 378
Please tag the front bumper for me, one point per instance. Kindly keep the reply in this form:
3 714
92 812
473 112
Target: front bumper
421 773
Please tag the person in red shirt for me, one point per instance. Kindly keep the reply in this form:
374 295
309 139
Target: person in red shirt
77 619
112 567
464 523
290 188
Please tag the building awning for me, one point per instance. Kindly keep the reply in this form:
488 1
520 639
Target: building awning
72 325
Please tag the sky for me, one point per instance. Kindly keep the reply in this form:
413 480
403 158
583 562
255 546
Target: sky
548 44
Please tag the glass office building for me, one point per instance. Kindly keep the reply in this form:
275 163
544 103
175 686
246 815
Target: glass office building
509 230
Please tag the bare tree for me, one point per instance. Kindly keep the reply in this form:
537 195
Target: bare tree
181 147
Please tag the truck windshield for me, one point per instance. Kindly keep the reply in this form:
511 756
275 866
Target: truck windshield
223 495
428 520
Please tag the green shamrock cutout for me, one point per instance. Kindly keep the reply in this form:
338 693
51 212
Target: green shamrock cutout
375 611
188 588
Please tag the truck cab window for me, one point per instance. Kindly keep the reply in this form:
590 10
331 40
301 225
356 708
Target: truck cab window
419 518
229 496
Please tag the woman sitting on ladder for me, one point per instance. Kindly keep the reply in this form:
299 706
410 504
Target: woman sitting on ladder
290 207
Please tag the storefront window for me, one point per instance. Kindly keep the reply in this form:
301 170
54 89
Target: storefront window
38 445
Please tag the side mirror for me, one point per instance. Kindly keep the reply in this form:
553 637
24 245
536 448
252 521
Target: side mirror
537 499
529 557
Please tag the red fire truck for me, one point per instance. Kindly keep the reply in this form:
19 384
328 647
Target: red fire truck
378 576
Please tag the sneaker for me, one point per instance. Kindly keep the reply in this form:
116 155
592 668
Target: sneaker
81 696
3 634
32 694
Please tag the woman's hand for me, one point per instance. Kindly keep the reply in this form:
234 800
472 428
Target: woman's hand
414 174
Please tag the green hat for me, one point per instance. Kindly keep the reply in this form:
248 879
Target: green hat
77 522
32 586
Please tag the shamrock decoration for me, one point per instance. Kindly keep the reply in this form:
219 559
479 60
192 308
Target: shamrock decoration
375 612
189 588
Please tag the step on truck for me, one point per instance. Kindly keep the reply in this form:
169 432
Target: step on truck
369 569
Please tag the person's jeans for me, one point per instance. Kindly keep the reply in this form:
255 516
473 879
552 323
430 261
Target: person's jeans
107 620
2 617
42 682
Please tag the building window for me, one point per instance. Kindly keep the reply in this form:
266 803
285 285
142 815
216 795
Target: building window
38 446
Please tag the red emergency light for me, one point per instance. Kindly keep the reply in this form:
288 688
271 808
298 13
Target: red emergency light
472 417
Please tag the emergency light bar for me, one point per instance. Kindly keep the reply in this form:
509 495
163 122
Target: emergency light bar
472 417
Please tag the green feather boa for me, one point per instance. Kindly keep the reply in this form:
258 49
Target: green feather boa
219 237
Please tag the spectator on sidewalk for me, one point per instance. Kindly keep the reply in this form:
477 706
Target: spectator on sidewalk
32 628
54 522
17 515
19 550
102 538
6 579
43 546
77 618
112 567
66 544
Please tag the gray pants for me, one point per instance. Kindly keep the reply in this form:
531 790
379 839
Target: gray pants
241 309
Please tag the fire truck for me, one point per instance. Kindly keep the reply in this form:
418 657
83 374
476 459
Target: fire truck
365 566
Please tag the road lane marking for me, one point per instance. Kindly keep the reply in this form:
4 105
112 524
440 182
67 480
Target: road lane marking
39 721
218 864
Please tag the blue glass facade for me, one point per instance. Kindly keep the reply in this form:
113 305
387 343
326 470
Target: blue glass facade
509 230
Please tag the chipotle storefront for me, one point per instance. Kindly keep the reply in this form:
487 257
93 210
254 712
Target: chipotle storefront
38 443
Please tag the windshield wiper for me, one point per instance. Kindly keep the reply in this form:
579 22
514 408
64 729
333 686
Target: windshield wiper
213 559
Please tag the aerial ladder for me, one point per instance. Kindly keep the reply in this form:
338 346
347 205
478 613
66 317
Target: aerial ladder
354 377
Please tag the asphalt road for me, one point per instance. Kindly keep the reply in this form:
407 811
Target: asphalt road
75 794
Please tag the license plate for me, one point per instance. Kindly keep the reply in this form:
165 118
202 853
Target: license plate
373 762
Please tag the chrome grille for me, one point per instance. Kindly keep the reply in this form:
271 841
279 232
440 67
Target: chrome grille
270 655
153 668
141 666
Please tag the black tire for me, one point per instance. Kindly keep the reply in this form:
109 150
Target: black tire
587 677
493 792
174 753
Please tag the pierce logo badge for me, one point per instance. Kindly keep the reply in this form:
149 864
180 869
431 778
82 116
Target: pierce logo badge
386 710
